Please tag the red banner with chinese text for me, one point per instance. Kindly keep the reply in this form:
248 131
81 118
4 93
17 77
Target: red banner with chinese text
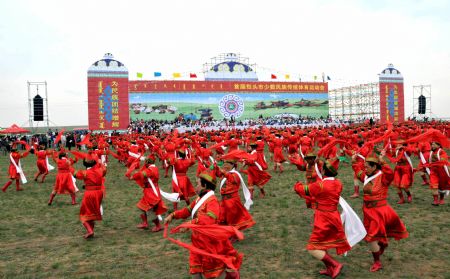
108 103
392 102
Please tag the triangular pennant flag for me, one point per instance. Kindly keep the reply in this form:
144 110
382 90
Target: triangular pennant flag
193 75
272 76
157 74
287 76
139 75
176 75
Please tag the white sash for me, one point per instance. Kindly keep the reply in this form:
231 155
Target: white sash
200 202
153 185
424 161
134 155
245 190
354 228
172 197
74 184
439 158
49 167
174 176
316 167
301 153
368 179
103 158
154 191
361 156
409 161
18 169
212 159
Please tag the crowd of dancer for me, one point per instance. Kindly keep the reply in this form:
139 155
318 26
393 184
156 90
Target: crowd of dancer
224 158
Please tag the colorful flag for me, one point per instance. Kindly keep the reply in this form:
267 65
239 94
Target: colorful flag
157 74
176 75
139 75
287 76
272 76
328 78
193 75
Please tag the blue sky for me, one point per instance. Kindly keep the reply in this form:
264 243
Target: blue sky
351 41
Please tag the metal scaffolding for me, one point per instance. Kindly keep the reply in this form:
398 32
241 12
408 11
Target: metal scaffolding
356 102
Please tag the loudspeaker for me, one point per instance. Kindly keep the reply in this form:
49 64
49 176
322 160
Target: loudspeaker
38 108
422 104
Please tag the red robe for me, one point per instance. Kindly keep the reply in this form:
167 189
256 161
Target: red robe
233 213
256 175
403 172
41 162
278 156
13 174
207 214
439 179
93 195
328 231
380 220
184 187
63 180
233 144
260 151
150 200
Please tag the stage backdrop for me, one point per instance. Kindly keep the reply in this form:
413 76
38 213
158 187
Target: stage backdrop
166 100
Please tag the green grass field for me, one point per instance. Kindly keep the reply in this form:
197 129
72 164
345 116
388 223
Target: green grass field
249 111
40 241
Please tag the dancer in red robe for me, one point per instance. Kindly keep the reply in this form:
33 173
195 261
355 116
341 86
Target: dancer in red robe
180 182
278 156
64 180
147 178
15 169
41 163
439 175
403 172
205 210
328 231
232 212
90 210
380 220
257 176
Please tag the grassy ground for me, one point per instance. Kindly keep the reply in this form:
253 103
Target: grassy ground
38 241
